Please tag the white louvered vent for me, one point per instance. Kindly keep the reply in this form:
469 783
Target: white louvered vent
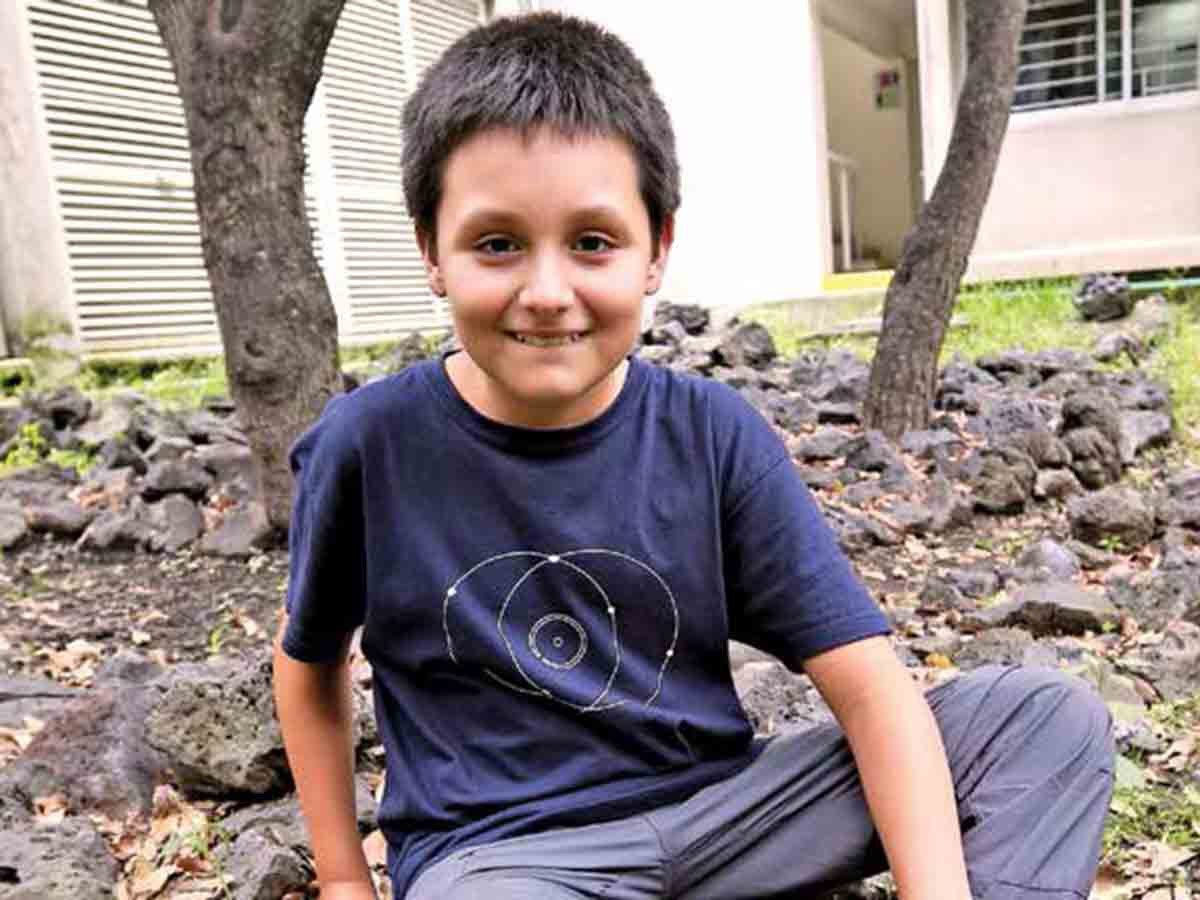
119 148
364 90
439 23
388 291
364 87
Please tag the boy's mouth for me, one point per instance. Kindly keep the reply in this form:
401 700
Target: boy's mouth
548 340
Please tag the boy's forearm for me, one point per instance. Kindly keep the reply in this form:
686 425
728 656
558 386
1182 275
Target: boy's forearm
902 762
315 709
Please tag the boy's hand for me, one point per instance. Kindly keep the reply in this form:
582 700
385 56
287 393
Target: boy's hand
348 890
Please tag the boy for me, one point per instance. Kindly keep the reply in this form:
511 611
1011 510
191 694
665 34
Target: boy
549 544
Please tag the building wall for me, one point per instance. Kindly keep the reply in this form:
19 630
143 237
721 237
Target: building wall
98 154
876 139
1092 188
744 92
35 285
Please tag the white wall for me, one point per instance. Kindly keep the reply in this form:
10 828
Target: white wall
744 90
1091 188
35 284
876 139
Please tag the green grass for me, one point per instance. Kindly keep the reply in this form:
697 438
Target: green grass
1178 364
176 384
1032 316
32 448
1156 811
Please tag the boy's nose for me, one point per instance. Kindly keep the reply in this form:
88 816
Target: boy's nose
548 289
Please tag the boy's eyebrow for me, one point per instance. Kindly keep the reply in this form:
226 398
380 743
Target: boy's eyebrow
597 211
485 217
490 216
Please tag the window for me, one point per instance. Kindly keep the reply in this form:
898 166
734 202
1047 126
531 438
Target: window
1075 52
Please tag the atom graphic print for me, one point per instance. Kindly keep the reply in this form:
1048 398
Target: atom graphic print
593 629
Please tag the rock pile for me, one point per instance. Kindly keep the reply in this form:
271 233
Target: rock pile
162 480
208 729
1049 436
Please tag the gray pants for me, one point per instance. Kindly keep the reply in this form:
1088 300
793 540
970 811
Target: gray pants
1030 752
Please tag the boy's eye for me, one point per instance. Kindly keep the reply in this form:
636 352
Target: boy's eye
593 243
497 246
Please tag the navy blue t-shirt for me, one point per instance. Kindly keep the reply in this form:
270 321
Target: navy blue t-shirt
547 613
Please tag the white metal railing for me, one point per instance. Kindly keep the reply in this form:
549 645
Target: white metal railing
843 170
1091 51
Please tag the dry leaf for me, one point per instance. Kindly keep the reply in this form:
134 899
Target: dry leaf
192 865
1164 856
375 849
166 801
147 880
19 737
49 810
938 661
1110 883
247 624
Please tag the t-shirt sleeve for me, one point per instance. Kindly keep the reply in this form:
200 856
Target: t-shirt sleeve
326 596
791 589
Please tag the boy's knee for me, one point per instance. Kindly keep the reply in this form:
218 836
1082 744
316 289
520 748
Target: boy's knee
1061 705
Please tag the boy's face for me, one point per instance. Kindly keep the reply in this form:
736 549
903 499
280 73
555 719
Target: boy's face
544 250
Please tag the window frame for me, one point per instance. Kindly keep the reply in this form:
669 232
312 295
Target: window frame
1104 106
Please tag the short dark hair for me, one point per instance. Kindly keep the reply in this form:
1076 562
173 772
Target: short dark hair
530 71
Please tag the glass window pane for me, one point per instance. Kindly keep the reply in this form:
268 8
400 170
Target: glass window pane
1165 36
1058 55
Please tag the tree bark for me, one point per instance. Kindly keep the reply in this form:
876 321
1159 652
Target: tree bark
246 71
920 299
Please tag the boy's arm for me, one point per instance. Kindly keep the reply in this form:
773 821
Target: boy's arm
902 763
316 709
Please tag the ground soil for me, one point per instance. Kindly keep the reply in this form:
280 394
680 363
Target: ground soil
187 607
177 607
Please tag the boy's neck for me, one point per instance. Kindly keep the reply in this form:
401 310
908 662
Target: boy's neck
477 390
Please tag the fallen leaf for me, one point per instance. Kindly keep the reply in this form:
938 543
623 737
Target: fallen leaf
375 849
166 801
1109 885
247 624
192 865
1164 856
19 737
938 661
147 881
1129 774
49 810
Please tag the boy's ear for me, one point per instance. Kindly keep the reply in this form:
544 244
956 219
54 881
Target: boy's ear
658 264
428 247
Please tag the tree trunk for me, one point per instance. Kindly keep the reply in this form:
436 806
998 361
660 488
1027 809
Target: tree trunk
246 71
920 299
